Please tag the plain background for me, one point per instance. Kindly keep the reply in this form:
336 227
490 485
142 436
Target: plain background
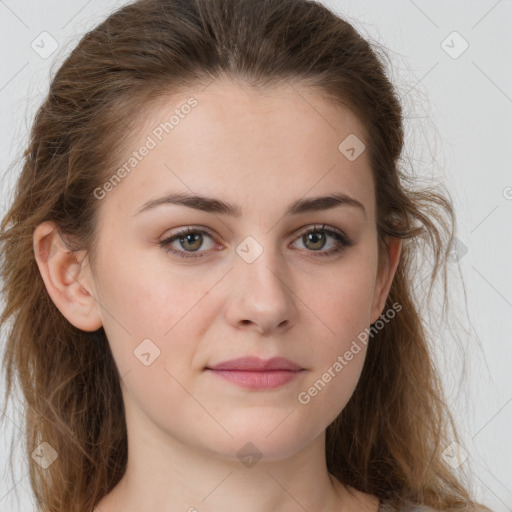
458 108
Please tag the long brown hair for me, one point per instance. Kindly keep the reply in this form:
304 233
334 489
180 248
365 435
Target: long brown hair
389 438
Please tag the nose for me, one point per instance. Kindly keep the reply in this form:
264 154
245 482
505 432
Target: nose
262 297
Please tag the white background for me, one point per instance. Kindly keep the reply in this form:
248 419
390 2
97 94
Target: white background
459 122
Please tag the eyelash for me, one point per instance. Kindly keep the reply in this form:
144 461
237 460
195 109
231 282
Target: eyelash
343 240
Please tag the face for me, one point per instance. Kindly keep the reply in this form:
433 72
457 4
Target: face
257 282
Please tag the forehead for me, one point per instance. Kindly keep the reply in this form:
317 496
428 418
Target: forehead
252 147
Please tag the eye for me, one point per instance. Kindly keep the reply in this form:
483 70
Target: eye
315 238
191 239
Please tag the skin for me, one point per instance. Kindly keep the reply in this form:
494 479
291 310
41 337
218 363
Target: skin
261 150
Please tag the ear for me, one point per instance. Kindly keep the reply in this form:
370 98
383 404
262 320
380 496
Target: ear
60 268
385 276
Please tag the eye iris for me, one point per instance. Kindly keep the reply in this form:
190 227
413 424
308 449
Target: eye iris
315 237
196 236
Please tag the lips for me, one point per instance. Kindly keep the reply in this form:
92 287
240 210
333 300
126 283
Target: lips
257 374
255 364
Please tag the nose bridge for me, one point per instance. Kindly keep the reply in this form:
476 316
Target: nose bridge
260 264
263 292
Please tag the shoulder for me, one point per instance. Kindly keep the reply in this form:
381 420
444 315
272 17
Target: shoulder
385 506
361 501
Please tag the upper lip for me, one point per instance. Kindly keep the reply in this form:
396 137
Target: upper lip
256 364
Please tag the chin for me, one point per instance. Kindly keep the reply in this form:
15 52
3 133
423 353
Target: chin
259 440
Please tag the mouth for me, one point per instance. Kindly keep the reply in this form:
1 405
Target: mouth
255 373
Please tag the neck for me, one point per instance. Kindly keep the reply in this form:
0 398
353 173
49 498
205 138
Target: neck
165 475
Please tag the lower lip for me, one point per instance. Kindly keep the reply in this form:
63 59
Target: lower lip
258 380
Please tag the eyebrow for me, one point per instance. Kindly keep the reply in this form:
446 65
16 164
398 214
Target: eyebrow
213 205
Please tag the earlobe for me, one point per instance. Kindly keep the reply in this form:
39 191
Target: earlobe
60 269
385 277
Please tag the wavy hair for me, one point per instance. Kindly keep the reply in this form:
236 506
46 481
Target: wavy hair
389 439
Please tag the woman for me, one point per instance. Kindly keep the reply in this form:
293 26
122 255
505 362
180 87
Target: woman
209 268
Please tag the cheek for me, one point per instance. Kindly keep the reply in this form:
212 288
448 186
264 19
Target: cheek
328 390
153 335
341 311
341 307
145 310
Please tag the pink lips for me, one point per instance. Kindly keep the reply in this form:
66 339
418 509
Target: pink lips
255 373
